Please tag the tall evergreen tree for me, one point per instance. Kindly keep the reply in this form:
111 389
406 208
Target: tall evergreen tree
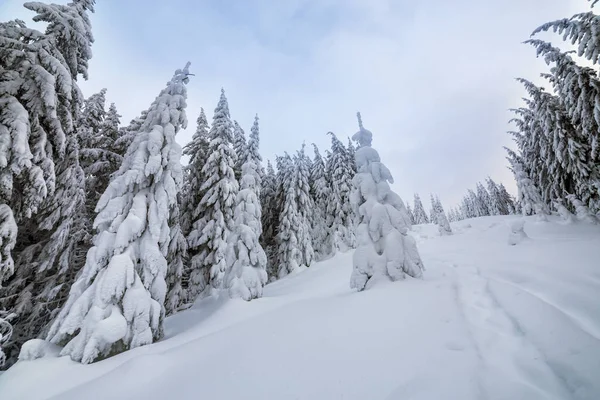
211 229
385 250
289 256
41 185
319 190
338 209
270 218
117 302
246 274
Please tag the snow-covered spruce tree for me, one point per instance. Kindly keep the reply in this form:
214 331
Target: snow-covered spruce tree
468 207
419 211
319 191
246 260
270 218
51 251
197 151
440 218
339 211
553 152
495 205
176 257
529 195
484 199
117 301
294 233
100 156
506 200
289 256
240 148
385 250
411 215
351 151
255 153
39 102
432 210
302 166
207 241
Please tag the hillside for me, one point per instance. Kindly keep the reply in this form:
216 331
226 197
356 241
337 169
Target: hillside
489 321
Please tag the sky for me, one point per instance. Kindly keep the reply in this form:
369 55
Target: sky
433 80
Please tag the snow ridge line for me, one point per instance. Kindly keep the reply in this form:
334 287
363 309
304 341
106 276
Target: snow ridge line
511 366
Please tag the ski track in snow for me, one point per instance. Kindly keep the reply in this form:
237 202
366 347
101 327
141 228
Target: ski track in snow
511 367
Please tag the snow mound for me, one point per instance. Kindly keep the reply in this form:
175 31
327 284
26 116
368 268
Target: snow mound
487 321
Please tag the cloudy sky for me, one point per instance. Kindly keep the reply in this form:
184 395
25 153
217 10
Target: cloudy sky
433 79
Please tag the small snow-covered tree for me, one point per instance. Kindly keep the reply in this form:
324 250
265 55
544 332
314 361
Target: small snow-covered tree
385 250
240 148
210 230
246 274
440 218
432 210
529 195
583 212
411 215
419 211
117 301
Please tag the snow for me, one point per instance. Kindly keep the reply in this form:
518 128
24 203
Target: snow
487 321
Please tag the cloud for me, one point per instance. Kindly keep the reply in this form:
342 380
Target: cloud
433 80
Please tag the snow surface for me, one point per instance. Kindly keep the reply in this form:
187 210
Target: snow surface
488 321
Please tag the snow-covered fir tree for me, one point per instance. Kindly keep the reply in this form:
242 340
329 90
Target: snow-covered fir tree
339 212
207 241
322 241
247 262
240 148
117 302
419 211
385 250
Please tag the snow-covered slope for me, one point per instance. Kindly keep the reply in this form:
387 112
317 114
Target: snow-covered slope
489 321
